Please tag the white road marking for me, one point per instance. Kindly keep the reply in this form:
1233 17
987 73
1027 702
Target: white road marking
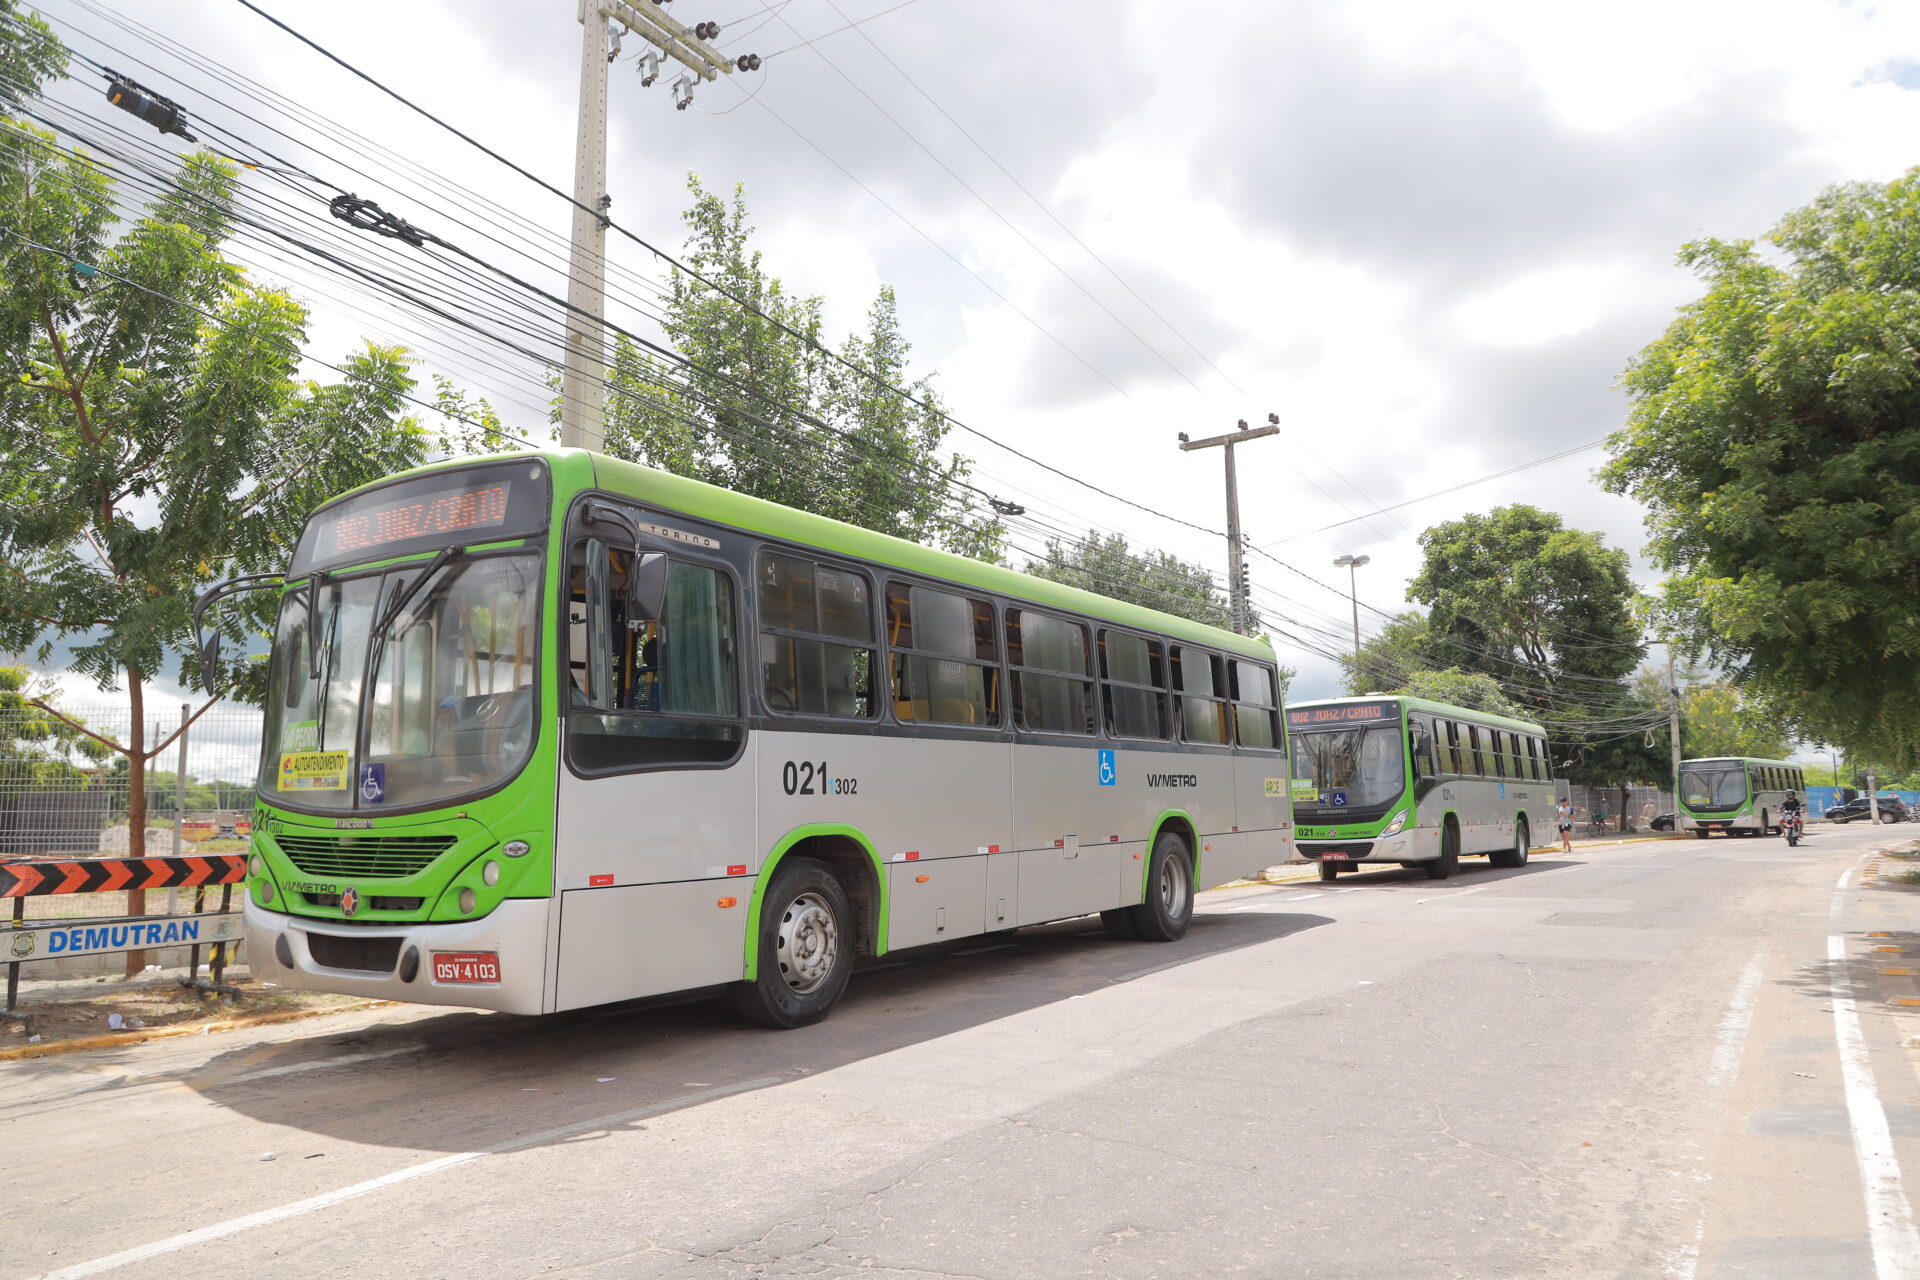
1302 897
320 1064
1458 893
1734 1022
265 1217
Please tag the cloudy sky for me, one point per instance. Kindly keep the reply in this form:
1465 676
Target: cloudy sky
1428 234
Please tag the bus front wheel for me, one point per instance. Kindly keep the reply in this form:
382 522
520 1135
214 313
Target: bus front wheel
1449 860
1329 870
806 948
1164 916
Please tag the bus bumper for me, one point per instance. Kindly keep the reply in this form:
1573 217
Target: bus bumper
1405 847
398 962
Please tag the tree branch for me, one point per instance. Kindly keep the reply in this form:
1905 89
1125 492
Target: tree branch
75 725
184 727
74 391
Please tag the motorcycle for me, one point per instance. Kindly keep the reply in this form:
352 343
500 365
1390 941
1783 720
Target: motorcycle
1790 828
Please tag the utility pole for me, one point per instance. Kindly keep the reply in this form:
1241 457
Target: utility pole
1673 731
583 392
1237 584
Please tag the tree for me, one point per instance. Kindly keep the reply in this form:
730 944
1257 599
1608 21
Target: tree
1105 565
1393 655
1467 689
766 413
1774 437
1550 613
1716 720
36 747
152 417
30 55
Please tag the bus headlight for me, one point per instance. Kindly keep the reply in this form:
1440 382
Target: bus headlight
1399 821
466 902
490 873
254 864
266 892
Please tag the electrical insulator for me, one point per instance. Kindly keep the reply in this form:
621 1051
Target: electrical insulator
682 93
649 68
748 62
706 30
157 111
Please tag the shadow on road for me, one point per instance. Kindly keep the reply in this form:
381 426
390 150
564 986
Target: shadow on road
1469 875
464 1081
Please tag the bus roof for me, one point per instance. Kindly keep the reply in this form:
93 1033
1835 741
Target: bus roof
1422 704
1782 764
581 469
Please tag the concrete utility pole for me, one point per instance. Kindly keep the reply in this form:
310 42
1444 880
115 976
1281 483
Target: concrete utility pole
1238 603
1673 732
1352 564
583 378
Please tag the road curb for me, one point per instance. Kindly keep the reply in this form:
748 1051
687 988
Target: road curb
81 1043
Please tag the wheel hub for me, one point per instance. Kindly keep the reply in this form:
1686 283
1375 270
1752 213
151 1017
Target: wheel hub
1173 888
808 943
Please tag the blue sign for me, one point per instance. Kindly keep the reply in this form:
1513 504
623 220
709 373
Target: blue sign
373 783
1109 769
1339 797
1503 791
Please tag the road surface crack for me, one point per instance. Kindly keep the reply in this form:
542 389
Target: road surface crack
1446 1131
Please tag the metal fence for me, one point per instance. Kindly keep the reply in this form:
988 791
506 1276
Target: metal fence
64 795
1618 809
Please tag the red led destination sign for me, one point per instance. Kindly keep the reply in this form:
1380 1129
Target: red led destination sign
428 517
1329 717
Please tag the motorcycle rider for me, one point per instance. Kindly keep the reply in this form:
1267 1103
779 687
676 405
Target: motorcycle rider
1790 807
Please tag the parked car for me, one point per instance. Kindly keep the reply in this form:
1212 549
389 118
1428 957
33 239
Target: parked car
1662 822
1891 810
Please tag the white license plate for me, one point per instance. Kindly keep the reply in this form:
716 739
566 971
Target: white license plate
466 966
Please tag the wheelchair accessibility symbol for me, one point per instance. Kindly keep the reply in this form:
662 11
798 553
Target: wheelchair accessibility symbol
1109 770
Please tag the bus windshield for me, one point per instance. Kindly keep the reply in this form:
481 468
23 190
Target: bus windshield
1352 768
447 709
1714 787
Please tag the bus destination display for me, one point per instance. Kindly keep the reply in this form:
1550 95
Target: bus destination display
1347 713
404 521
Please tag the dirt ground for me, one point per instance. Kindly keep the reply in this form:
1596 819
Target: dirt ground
153 1003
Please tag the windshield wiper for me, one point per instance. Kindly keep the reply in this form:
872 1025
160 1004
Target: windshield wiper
405 595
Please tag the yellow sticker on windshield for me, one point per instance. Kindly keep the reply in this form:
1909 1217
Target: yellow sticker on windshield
313 771
1303 789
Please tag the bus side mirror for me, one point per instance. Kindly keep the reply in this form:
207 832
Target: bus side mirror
210 662
646 593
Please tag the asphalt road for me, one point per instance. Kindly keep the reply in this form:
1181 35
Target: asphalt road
1642 1060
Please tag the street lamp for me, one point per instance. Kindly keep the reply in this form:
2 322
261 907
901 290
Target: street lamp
1351 563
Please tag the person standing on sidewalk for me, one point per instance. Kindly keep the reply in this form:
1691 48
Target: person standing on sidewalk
1563 816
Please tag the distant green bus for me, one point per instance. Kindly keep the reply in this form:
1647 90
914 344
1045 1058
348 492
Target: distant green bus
553 730
1421 784
1736 795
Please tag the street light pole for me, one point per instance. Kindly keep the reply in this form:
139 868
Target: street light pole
1351 564
1237 603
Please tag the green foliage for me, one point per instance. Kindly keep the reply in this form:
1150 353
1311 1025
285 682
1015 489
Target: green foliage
37 748
1392 656
1469 689
30 54
1550 614
1717 720
746 420
1104 564
471 426
1775 439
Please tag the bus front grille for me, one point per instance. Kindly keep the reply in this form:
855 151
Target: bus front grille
380 857
369 955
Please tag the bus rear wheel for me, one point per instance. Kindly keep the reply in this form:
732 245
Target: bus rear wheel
1516 856
1164 916
806 948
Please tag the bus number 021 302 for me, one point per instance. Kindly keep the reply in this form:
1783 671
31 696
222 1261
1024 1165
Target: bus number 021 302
810 778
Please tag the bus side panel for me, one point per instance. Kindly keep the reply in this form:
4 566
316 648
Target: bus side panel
1062 818
648 939
660 827
1265 820
935 798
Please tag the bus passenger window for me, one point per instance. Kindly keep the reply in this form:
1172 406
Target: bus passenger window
1254 705
1051 691
816 638
945 664
1201 678
1135 688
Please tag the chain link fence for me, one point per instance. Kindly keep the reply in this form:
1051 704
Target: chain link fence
1617 810
63 794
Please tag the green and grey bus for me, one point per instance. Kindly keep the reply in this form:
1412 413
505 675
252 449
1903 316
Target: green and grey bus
1423 784
552 730
1735 794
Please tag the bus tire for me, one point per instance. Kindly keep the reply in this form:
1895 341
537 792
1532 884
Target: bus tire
1516 856
1701 833
806 948
1329 870
1164 916
1449 860
1119 924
